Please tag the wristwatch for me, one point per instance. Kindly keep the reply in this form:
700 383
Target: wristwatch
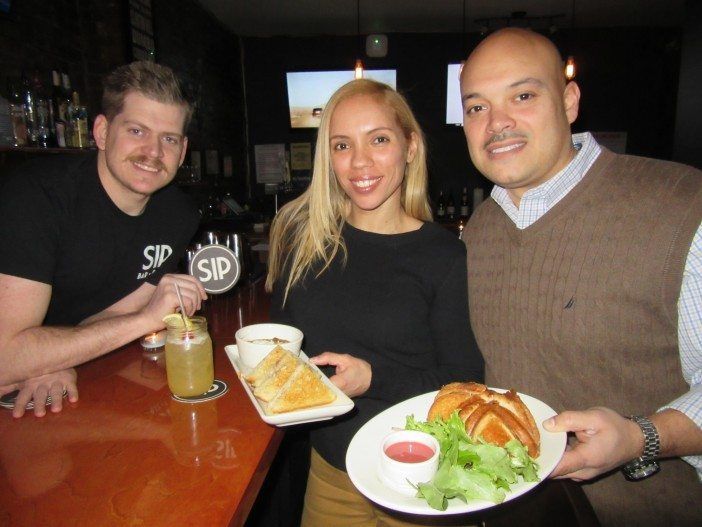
645 465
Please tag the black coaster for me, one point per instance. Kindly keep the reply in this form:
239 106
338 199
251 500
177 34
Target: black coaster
8 400
218 389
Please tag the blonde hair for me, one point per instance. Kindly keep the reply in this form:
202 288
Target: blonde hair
308 229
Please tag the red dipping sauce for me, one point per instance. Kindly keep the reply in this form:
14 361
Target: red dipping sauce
409 452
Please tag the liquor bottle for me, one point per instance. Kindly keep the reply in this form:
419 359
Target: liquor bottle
58 109
465 209
29 111
441 206
450 208
66 108
19 124
79 123
42 123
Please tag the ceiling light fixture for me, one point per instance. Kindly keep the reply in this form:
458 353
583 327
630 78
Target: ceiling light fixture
358 69
570 70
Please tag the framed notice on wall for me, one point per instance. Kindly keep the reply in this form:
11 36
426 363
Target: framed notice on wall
300 156
270 163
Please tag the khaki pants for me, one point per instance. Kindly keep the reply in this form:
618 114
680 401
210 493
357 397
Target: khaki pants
331 500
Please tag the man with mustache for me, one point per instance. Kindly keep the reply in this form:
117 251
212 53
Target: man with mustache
89 241
585 282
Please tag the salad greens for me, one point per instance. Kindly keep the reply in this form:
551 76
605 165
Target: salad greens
470 469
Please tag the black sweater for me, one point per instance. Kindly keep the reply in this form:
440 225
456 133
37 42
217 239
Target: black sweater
400 303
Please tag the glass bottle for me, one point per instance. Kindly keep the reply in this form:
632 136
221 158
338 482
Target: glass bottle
79 123
28 106
441 206
17 119
465 209
58 109
66 109
450 208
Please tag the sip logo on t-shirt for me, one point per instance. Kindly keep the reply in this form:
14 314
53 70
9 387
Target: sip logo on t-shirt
155 256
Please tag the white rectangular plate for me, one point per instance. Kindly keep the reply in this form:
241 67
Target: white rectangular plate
339 406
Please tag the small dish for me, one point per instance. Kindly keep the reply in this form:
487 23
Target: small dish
254 342
408 457
340 406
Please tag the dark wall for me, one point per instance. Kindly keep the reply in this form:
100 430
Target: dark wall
84 38
88 38
207 57
628 78
689 117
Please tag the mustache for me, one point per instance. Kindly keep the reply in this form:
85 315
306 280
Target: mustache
155 163
502 137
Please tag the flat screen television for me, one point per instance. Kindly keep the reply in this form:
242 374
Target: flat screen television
454 107
309 91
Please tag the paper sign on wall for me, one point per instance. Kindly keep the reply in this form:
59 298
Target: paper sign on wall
301 156
270 163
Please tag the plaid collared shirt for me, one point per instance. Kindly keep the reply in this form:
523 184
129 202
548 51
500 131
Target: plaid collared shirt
539 200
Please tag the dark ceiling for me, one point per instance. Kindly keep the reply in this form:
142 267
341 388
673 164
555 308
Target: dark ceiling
348 17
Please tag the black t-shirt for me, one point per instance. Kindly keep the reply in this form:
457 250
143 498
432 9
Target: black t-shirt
58 226
400 303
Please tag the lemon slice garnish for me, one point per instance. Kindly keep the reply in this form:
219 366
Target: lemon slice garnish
176 320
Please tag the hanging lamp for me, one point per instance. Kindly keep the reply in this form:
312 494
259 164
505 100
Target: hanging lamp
358 69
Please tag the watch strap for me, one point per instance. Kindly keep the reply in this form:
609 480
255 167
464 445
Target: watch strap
645 465
652 441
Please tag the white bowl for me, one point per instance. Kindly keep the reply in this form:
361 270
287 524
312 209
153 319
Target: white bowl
401 475
251 352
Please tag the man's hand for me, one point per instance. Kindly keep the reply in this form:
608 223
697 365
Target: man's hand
164 299
39 388
353 375
604 440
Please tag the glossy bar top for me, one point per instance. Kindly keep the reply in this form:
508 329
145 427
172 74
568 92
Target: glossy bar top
128 454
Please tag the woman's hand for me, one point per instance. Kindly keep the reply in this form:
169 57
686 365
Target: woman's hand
353 375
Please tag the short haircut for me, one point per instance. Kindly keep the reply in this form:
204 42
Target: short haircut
151 80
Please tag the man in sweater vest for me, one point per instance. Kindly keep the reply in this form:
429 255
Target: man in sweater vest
585 284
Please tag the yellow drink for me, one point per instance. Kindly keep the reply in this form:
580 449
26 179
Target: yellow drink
189 366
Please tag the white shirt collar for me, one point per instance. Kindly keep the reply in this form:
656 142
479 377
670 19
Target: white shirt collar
539 200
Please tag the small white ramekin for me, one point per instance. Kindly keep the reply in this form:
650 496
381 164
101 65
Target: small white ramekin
400 476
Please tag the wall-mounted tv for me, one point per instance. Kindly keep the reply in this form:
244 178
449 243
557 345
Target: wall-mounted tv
309 91
454 107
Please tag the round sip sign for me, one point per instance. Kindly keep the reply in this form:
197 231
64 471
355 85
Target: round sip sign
217 267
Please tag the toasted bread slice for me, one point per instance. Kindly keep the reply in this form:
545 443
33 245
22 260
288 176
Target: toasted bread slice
284 368
303 389
453 395
497 425
496 417
266 367
512 402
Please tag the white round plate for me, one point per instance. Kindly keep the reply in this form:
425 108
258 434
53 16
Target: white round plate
362 457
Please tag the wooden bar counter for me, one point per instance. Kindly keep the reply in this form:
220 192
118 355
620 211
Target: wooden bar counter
128 454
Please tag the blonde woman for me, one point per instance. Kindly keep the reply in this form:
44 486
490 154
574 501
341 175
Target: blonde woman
378 290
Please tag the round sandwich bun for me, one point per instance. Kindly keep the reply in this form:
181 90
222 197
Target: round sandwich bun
496 417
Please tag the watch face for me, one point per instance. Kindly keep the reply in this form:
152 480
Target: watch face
638 469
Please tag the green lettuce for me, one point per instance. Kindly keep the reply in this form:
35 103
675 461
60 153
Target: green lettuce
470 469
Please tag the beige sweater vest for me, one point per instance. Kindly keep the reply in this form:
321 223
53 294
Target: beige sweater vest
580 310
